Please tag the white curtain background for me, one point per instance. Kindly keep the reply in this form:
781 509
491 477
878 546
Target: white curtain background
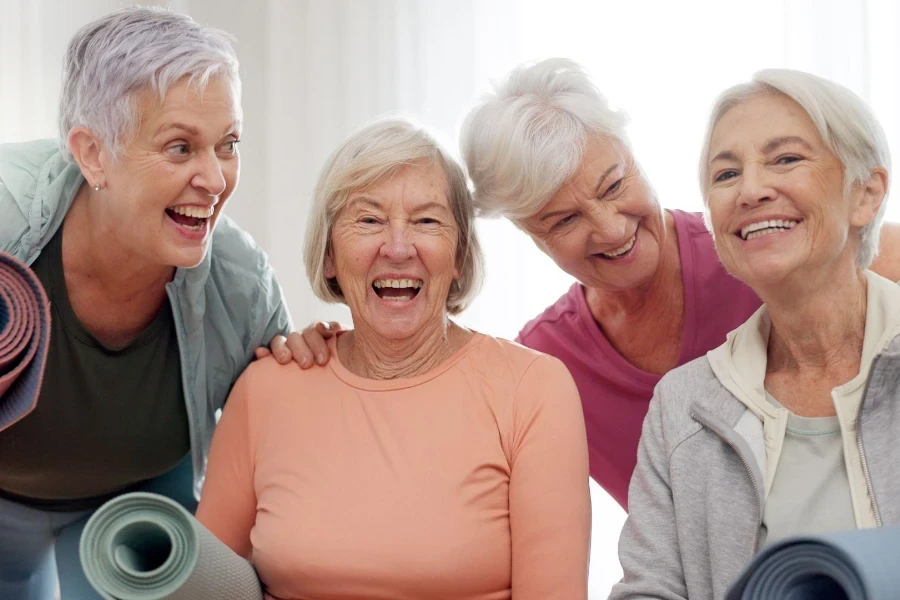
315 70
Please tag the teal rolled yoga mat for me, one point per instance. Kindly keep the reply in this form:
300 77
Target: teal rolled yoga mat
144 546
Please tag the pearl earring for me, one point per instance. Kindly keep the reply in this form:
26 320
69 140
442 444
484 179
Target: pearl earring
96 187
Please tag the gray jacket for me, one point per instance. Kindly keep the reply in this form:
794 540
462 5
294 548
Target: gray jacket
224 308
698 491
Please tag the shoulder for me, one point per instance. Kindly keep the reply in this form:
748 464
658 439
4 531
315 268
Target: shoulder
240 271
559 316
35 184
266 383
684 390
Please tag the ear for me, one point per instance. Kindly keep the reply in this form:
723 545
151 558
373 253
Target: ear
871 195
89 154
330 270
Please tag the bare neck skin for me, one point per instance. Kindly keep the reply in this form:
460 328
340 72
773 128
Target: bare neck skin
816 341
367 354
645 324
114 293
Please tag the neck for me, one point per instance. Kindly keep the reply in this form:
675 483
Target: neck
93 250
817 324
370 355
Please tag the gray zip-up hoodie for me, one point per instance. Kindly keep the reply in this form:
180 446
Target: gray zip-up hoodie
705 457
224 308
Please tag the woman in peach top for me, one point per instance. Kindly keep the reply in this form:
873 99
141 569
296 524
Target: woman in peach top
427 461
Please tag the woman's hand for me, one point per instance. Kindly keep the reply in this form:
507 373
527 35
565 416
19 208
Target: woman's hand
306 348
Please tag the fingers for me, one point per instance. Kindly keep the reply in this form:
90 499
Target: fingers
280 350
314 338
261 352
300 351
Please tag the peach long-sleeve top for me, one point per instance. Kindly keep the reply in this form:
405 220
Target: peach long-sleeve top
467 482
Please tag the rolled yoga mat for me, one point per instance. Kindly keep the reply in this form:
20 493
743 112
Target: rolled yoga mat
143 546
851 565
24 338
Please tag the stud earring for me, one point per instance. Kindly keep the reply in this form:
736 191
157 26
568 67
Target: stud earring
96 187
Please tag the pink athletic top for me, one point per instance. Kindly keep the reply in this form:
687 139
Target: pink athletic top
468 482
615 394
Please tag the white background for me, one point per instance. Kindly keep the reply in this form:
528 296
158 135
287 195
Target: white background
315 70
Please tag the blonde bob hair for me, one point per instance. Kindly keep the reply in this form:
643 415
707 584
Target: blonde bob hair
369 156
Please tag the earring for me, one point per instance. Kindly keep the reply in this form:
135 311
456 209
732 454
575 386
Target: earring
96 187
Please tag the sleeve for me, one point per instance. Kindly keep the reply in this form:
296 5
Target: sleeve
228 501
278 319
549 498
648 547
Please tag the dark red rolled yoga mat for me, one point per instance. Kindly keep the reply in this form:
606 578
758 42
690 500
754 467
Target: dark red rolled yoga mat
24 339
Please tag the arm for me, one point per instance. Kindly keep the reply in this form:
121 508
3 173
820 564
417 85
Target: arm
228 502
887 263
549 499
648 547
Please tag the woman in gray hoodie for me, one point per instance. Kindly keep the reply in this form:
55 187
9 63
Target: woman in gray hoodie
790 426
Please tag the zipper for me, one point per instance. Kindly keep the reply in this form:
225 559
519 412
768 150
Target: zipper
733 446
193 426
859 444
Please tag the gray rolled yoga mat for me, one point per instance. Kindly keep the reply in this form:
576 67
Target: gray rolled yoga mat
852 565
144 546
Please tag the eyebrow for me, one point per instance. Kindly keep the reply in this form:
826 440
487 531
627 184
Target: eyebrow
365 200
182 126
600 181
770 146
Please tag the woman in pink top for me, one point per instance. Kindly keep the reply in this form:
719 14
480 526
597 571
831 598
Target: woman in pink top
425 460
546 151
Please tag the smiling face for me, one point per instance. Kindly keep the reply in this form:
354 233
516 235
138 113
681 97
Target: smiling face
165 192
604 226
393 253
776 195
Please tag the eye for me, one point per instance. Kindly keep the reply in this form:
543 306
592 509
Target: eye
428 221
725 176
613 188
231 147
786 160
179 149
567 220
368 220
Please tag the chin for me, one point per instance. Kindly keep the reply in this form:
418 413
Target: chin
186 259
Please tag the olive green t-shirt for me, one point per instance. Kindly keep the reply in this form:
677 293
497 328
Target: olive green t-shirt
106 419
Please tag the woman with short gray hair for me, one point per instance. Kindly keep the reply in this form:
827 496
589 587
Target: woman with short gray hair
789 427
425 460
158 300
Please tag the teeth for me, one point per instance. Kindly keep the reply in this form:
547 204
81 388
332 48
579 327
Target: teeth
198 212
398 283
398 298
621 250
762 227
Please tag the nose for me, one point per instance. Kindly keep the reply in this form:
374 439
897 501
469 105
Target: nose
608 226
755 188
210 176
399 246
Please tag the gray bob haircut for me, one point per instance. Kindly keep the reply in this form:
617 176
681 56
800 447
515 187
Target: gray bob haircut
524 140
111 60
844 121
369 156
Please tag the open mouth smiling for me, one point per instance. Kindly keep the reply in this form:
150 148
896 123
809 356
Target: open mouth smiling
192 218
766 227
397 290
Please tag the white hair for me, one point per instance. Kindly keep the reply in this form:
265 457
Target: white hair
843 120
522 142
111 60
369 156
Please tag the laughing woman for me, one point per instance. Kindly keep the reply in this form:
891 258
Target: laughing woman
158 300
791 426
425 460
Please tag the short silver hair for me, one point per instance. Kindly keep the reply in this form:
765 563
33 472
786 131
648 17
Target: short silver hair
111 60
844 121
369 156
524 140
